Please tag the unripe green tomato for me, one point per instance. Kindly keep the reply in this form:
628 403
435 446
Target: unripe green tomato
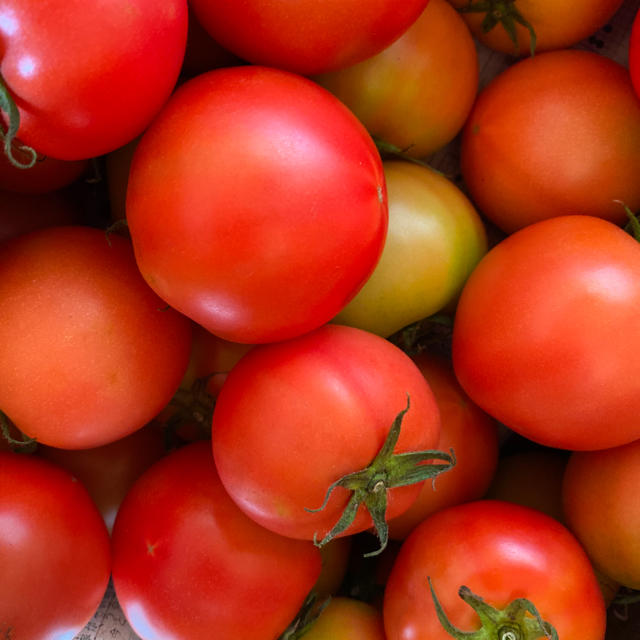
434 241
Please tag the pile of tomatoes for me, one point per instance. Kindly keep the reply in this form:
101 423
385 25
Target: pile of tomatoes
276 377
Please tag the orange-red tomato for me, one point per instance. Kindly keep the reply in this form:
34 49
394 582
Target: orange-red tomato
347 619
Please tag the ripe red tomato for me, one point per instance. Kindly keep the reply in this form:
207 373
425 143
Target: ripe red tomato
89 353
294 417
306 36
500 551
556 134
543 332
54 551
634 53
416 93
187 563
82 96
256 204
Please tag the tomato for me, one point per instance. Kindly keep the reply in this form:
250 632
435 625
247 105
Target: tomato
557 134
601 507
54 551
500 551
306 36
256 204
543 332
81 96
634 53
416 93
435 239
90 353
347 619
187 563
557 25
294 417
470 432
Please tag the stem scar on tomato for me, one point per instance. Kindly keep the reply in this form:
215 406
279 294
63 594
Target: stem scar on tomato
510 623
387 471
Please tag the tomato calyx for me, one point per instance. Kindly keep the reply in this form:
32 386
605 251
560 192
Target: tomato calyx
633 225
389 149
22 445
387 471
8 137
502 12
306 617
510 623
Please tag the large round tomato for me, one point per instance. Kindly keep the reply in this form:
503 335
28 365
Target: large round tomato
435 239
294 417
306 36
544 330
256 203
187 563
416 93
54 551
557 25
557 134
89 353
501 552
87 77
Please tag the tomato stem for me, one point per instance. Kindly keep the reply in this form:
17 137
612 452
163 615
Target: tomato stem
26 445
8 105
370 485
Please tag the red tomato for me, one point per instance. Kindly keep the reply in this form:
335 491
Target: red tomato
187 563
600 498
347 619
296 416
82 96
416 93
634 53
557 25
256 204
500 551
556 134
54 551
90 353
306 36
543 332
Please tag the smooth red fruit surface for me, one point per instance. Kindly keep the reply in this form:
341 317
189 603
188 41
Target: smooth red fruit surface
54 551
256 203
634 53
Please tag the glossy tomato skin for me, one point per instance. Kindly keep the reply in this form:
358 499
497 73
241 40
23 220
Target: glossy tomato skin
417 93
188 564
501 551
306 36
544 328
81 97
90 353
256 203
556 134
634 53
295 416
557 25
54 551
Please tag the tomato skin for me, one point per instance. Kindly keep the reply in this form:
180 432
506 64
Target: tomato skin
54 551
557 25
295 416
187 563
634 53
347 619
556 134
416 93
266 250
305 36
81 97
90 353
543 331
501 551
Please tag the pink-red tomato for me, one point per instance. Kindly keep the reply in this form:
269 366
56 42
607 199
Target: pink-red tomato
90 353
306 36
187 563
295 416
634 53
54 551
556 134
544 330
417 93
256 203
347 619
88 78
500 551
